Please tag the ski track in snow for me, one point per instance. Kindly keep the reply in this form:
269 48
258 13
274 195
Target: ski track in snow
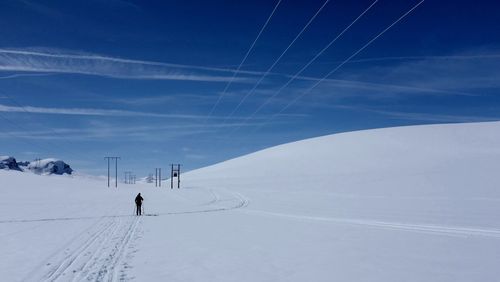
101 256
101 250
216 204
421 228
241 201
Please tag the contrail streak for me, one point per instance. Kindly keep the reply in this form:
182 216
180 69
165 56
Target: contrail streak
95 57
450 57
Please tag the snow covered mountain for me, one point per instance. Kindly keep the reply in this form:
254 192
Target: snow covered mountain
9 163
45 166
50 166
417 203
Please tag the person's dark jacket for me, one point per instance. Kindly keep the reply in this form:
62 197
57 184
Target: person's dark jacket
138 200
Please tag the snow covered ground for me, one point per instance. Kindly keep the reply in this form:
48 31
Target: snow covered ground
415 203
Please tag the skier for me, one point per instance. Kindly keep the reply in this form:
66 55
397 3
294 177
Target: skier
138 204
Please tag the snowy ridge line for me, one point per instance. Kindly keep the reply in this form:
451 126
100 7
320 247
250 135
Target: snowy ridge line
424 228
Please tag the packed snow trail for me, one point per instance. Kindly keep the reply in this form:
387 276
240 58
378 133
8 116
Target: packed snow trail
97 253
94 244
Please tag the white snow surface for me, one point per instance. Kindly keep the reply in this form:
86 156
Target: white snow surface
419 203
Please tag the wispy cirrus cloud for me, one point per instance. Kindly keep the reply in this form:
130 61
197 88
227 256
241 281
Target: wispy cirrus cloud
414 116
116 113
91 112
420 58
14 60
163 99
16 75
460 73
470 74
109 130
382 87
40 8
431 117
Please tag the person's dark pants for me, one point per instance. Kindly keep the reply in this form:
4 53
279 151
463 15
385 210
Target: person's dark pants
138 210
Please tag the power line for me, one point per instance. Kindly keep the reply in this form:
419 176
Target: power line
305 67
242 62
339 66
276 61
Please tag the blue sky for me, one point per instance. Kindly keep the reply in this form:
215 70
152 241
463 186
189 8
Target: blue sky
160 82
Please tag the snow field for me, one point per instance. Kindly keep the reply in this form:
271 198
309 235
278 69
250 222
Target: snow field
415 203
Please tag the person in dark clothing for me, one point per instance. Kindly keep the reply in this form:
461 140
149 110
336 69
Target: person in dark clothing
138 204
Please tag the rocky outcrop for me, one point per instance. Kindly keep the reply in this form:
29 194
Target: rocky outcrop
50 166
9 163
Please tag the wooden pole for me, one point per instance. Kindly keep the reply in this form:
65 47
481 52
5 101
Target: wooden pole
178 176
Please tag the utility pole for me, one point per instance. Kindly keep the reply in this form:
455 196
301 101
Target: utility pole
178 176
175 171
108 169
116 168
128 177
37 160
158 177
116 172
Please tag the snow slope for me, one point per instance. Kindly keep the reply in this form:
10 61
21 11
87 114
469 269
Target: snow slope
417 203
